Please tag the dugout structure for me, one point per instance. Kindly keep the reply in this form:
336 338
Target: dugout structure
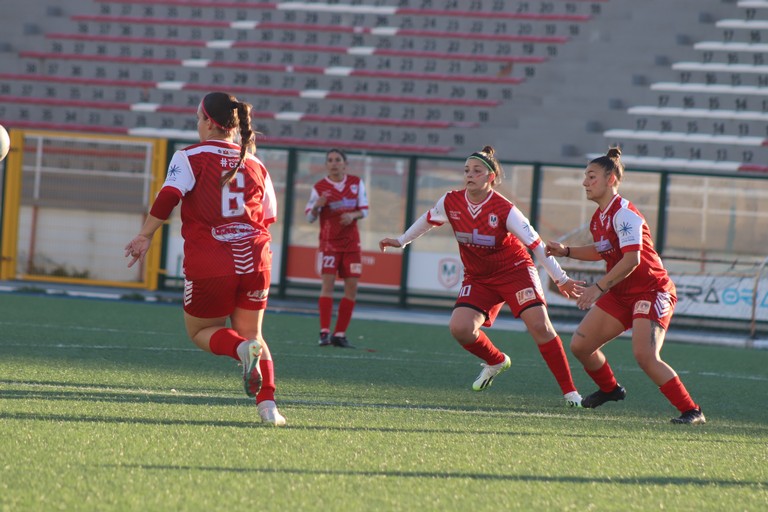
71 202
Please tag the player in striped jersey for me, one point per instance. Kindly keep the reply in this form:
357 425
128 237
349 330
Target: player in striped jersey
635 293
227 204
339 201
494 238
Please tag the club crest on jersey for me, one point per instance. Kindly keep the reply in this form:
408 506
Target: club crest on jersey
449 272
493 220
526 295
353 189
642 307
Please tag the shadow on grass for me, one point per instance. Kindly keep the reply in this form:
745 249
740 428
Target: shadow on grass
632 481
399 429
20 416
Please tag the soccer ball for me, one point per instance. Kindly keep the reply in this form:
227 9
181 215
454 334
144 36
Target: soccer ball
5 143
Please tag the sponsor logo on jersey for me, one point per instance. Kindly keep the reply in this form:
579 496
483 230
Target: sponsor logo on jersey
626 233
234 231
642 307
173 171
257 295
493 220
229 152
525 295
454 215
343 204
603 245
448 272
475 238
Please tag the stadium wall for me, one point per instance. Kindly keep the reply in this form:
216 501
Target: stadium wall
71 204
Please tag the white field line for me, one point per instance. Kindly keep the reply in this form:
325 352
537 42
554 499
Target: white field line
568 413
308 403
363 355
60 327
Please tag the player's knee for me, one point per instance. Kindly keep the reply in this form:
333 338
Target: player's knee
542 332
463 333
646 360
579 347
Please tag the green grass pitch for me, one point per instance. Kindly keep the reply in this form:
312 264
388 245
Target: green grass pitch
105 405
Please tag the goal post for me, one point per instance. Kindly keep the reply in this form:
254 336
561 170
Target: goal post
72 202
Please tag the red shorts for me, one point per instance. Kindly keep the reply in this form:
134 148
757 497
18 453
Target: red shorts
219 296
521 290
345 264
656 306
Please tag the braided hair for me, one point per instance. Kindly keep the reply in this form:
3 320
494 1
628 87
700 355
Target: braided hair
228 113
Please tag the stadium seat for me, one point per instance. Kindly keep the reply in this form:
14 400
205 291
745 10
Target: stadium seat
410 74
716 116
716 73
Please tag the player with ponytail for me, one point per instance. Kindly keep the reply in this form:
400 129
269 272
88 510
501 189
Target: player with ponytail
635 293
227 204
494 238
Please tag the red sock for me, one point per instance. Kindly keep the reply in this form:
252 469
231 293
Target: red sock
325 306
224 342
554 355
677 395
346 307
603 377
483 348
267 391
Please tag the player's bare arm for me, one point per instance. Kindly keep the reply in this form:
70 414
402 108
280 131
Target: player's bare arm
581 252
623 268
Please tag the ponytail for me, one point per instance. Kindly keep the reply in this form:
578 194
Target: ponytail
247 138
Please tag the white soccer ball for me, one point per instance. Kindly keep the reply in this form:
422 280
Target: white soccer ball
5 143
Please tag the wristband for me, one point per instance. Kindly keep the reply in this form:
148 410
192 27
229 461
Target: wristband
567 251
598 287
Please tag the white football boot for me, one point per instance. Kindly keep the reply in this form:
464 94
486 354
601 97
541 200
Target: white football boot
572 399
269 413
489 371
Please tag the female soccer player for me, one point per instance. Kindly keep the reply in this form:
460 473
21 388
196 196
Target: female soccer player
227 204
635 293
494 238
339 201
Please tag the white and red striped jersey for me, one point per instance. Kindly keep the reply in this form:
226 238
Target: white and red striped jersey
225 229
493 235
348 195
621 228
